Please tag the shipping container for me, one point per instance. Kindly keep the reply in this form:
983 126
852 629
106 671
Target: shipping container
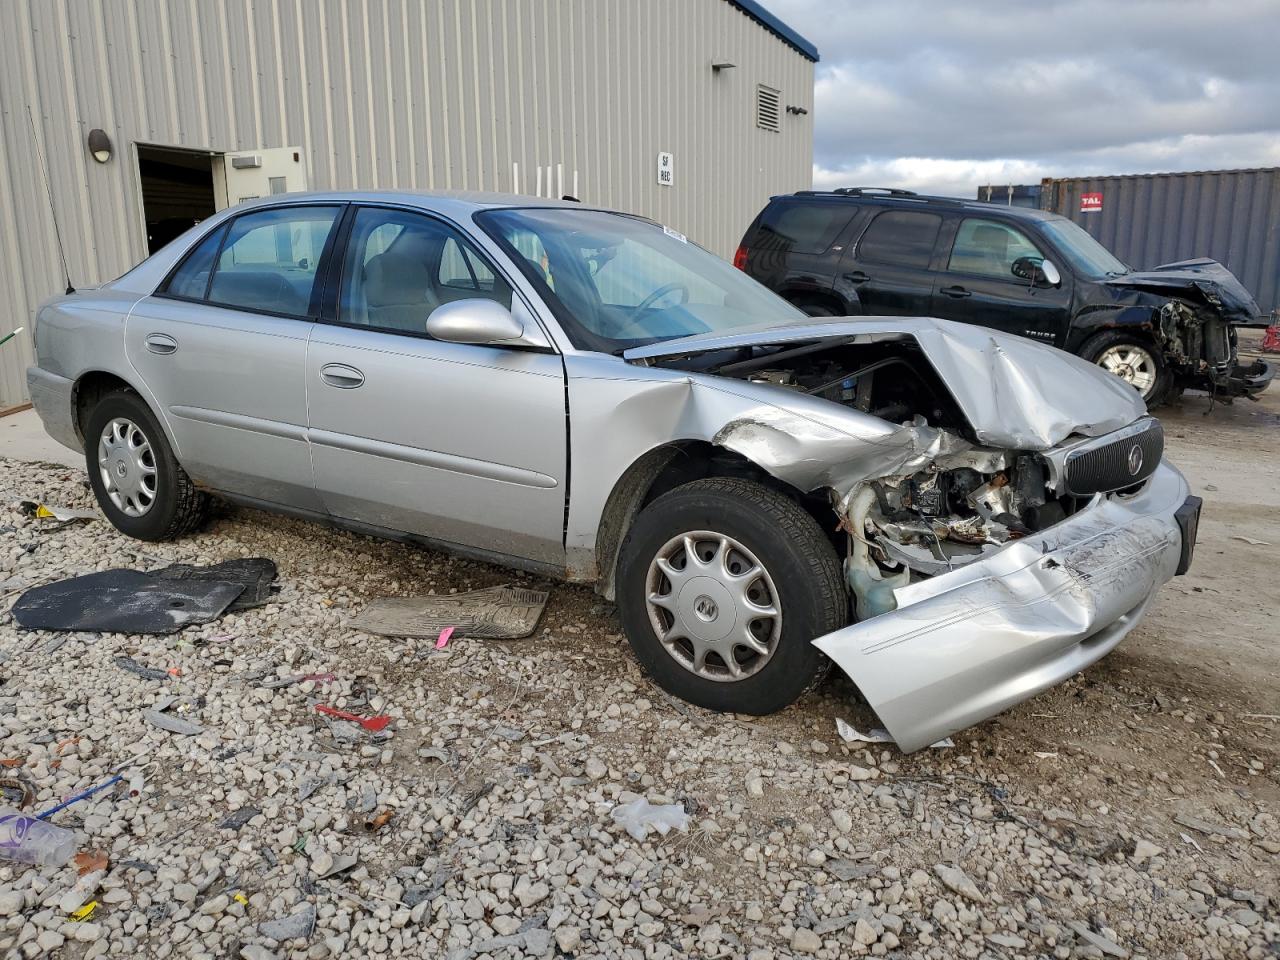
1232 216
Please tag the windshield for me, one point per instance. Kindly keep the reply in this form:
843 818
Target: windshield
617 282
1088 258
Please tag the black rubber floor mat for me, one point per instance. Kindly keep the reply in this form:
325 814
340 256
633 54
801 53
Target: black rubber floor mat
124 601
257 574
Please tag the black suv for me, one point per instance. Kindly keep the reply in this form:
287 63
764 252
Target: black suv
874 252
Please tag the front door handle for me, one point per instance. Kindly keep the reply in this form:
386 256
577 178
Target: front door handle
857 277
957 293
161 343
342 376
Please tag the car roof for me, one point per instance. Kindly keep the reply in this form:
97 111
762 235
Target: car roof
907 199
442 201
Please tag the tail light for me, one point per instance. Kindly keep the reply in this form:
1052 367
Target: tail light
740 258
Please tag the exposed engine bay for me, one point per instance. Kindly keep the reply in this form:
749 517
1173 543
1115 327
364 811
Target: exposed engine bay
959 508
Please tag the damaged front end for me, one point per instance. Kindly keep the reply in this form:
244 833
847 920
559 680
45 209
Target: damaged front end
1005 511
1196 326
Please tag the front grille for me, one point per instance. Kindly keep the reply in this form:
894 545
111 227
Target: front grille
1108 462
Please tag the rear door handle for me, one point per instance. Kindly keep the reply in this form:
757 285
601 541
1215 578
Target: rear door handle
957 293
342 376
857 277
161 343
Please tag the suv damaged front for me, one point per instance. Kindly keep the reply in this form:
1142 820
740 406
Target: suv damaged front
1192 310
1003 509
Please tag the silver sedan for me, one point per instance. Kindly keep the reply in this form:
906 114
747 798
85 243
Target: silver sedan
956 518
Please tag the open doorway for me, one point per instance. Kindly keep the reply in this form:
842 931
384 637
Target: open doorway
177 191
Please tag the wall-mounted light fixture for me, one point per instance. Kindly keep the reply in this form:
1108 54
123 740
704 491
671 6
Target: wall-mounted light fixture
797 111
100 145
718 65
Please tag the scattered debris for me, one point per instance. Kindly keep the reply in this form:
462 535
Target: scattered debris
27 839
76 798
122 601
299 924
84 913
850 734
256 575
499 613
133 666
1211 829
639 817
239 818
1108 946
89 862
44 511
1251 541
372 724
846 870
443 639
325 864
176 725
25 790
381 820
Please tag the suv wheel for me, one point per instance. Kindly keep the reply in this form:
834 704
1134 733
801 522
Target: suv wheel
722 585
1137 362
139 485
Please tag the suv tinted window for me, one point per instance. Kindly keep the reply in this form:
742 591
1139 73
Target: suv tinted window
269 259
988 248
900 237
803 227
400 266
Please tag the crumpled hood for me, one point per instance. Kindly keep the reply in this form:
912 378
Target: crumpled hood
1203 279
1014 392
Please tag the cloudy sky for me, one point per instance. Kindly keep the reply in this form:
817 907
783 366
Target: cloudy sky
946 96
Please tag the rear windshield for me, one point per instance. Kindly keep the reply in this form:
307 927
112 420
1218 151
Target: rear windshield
800 226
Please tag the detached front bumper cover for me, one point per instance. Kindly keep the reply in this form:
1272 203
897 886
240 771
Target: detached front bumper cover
966 645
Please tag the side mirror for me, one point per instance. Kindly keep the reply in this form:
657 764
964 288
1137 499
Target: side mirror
475 321
1036 270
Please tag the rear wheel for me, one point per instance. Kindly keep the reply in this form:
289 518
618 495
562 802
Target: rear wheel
1136 361
722 585
139 484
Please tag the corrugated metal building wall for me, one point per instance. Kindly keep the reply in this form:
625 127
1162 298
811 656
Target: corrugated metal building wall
1232 216
398 94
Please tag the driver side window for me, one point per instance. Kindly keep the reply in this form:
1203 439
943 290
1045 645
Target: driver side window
988 248
400 266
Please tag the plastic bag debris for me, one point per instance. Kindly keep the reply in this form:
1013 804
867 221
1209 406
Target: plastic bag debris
850 734
500 613
27 839
640 816
372 724
443 639
45 511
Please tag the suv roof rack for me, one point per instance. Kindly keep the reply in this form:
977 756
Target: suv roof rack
890 192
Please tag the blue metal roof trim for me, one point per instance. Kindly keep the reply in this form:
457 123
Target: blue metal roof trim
775 26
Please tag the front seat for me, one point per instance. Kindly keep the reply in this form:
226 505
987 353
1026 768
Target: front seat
398 284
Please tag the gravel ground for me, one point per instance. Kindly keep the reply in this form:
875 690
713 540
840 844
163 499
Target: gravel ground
1130 812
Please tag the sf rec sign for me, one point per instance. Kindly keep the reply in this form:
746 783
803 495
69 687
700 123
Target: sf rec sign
1090 203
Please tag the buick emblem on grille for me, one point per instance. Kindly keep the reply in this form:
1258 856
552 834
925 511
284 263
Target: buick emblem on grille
1135 460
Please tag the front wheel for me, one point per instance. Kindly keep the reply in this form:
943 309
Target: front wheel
1137 362
722 584
139 484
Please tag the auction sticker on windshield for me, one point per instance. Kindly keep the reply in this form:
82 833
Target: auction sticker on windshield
675 233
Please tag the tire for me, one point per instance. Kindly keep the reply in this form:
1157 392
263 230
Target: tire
801 576
1134 359
165 507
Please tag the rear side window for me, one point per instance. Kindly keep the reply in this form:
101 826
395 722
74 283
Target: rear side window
900 237
269 259
801 227
191 280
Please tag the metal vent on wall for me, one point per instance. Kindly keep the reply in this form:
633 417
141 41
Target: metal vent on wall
768 108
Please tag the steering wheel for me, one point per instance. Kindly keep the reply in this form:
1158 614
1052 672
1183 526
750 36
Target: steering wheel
634 316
